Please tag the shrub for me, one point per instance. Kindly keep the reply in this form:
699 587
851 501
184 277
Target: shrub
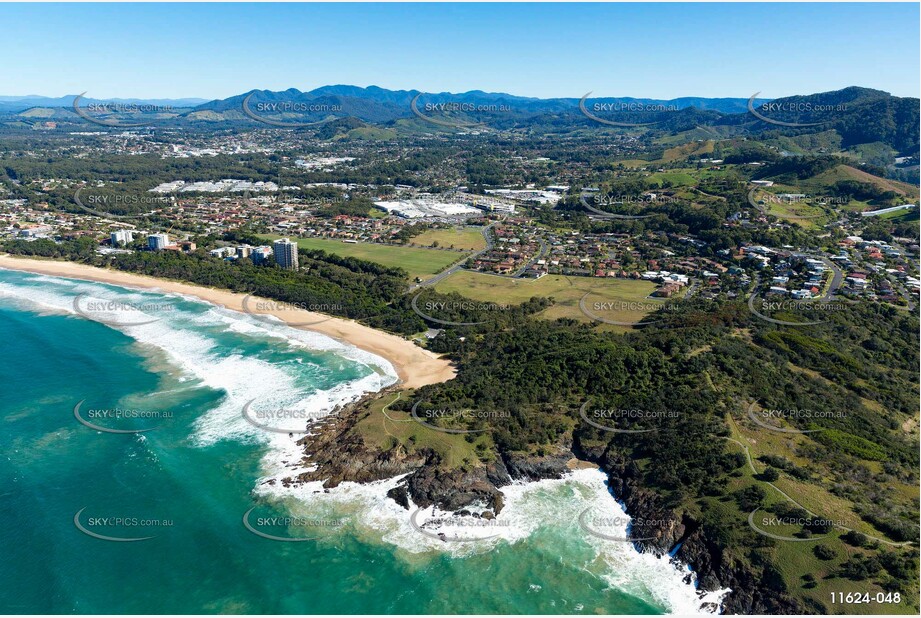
824 552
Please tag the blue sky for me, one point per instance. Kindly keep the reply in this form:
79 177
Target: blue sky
642 50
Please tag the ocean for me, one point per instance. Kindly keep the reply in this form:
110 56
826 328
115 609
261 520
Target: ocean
132 481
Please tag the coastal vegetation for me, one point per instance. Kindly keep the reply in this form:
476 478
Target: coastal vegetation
691 451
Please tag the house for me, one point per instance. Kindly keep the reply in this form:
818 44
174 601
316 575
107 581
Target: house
667 290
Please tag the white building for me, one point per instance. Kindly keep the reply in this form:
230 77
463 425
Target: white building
158 242
221 252
261 254
285 253
122 237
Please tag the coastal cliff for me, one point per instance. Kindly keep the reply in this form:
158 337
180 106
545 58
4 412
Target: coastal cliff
662 531
335 453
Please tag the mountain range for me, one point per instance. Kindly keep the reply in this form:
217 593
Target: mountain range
397 101
853 115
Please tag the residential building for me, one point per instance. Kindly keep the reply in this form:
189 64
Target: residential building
122 237
158 242
285 253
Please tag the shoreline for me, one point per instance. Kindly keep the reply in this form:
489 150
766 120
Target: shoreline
415 366
674 597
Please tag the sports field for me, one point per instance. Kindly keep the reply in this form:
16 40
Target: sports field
417 261
566 291
457 237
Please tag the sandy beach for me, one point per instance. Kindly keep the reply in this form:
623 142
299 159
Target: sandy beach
415 366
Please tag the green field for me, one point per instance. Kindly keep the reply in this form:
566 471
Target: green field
813 212
677 178
418 262
566 291
386 428
459 238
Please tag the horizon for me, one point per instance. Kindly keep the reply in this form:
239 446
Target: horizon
655 51
204 100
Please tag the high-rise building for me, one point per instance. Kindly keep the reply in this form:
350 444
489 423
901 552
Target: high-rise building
157 242
285 253
122 237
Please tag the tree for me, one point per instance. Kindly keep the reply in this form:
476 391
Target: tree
770 474
824 552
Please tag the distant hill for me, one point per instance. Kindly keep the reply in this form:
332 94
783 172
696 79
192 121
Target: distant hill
857 115
869 125
846 172
20 103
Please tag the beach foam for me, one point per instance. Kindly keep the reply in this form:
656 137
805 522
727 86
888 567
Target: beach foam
555 503
191 340
192 334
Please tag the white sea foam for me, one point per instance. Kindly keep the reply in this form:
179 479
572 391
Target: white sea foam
189 341
184 338
528 506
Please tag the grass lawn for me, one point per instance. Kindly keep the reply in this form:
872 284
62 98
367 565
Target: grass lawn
459 238
633 163
417 261
684 150
566 291
384 428
781 209
813 495
677 178
796 559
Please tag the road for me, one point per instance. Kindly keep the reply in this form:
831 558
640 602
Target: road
836 279
459 264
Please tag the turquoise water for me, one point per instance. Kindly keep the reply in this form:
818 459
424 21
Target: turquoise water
192 477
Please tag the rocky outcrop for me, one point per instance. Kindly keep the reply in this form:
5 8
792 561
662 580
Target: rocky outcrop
663 531
530 468
338 453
